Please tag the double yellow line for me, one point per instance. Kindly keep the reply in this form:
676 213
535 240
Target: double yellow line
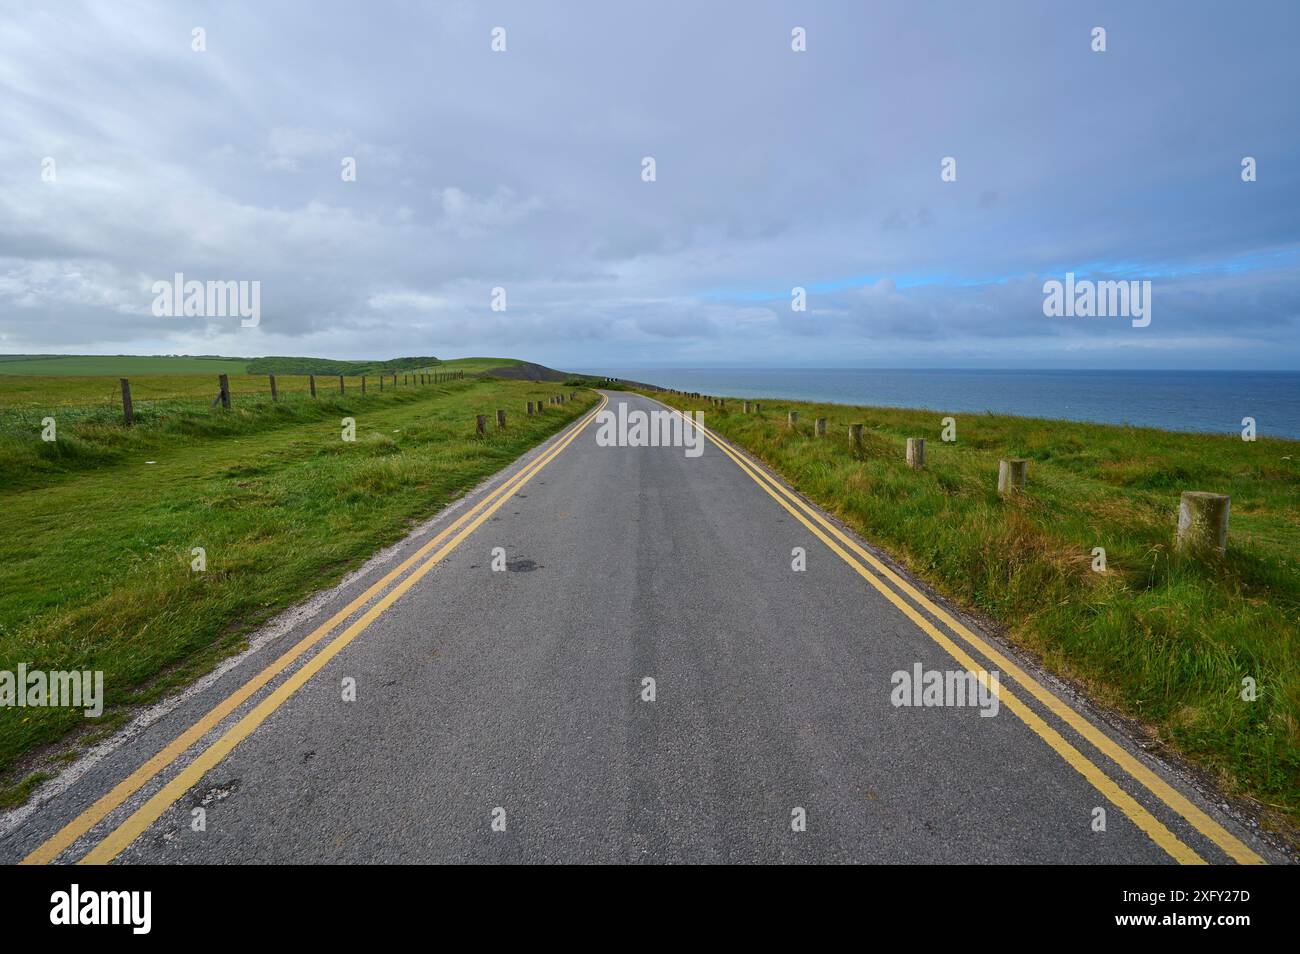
125 833
842 544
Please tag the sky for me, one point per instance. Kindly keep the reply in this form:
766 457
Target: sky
127 156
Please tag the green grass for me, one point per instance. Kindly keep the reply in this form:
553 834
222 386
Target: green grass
285 365
1165 640
122 365
160 403
479 365
131 366
95 559
352 368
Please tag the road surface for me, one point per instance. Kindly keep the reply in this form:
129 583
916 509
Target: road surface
462 713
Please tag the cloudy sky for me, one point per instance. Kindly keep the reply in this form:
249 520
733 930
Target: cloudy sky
522 170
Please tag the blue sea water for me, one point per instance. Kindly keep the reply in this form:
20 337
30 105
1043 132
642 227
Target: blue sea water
1210 401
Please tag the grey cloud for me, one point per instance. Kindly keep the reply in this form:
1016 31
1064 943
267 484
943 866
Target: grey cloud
523 170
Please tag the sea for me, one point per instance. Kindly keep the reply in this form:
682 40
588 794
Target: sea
1213 402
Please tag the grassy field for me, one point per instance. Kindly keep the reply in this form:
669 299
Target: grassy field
133 366
95 558
124 365
92 404
1164 640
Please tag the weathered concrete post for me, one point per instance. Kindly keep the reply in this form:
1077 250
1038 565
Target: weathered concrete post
501 419
916 452
1203 523
530 408
855 435
128 409
311 383
480 424
224 382
275 395
746 407
792 420
1011 475
820 427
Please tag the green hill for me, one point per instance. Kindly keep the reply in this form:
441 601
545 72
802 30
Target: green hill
287 365
127 365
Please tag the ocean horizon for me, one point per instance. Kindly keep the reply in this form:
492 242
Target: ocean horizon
1213 402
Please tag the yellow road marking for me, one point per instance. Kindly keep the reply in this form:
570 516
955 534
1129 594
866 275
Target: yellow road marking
1207 826
92 816
1139 815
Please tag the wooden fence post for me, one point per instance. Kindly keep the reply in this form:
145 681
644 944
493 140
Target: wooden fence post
340 384
128 410
275 395
224 381
530 408
1011 475
501 419
746 407
311 383
792 419
855 434
820 427
480 424
363 384
1203 523
916 452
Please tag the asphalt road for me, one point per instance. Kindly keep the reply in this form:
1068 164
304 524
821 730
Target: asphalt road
516 697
